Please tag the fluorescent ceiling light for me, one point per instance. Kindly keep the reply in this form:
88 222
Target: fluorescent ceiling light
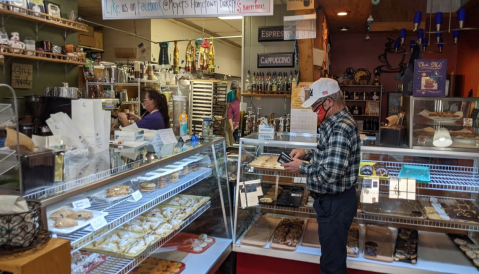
342 13
230 17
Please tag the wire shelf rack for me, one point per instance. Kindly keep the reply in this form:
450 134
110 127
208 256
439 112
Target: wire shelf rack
65 187
116 265
124 211
270 172
443 177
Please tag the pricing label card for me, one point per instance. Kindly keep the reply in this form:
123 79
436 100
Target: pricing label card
98 223
135 196
80 204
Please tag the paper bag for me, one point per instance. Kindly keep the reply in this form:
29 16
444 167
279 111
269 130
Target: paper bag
87 115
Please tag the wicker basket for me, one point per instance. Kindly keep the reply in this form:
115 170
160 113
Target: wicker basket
22 231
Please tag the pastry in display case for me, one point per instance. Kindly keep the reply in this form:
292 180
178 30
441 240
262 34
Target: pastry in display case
418 190
131 211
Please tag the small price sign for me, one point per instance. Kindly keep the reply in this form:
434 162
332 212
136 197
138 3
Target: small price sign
80 204
135 196
98 223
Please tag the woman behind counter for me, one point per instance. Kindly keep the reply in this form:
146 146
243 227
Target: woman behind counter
156 105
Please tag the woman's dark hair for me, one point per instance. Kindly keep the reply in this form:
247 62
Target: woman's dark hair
161 105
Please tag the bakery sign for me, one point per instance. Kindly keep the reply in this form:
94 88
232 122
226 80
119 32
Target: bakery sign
430 78
270 34
276 60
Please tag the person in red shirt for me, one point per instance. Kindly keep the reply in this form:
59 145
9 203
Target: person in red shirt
234 110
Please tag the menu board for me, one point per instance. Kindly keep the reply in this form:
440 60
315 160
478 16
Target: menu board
151 9
430 78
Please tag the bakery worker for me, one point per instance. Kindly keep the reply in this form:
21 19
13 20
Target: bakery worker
332 170
156 105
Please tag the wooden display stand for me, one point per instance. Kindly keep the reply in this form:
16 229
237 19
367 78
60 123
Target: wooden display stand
52 257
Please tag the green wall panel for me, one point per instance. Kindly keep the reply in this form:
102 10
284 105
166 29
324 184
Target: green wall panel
50 74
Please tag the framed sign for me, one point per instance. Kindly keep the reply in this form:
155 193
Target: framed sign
429 78
148 9
22 76
394 103
276 60
270 34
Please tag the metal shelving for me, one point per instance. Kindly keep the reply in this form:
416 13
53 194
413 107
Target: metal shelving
116 265
125 211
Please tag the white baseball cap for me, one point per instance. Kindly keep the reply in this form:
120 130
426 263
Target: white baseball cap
319 89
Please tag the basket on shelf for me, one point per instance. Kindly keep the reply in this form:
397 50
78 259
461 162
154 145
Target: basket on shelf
22 231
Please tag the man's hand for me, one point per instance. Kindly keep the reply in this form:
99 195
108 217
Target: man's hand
293 166
297 154
232 130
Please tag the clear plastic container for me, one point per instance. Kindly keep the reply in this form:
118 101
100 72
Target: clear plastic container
164 177
175 173
188 166
182 169
179 107
196 162
148 183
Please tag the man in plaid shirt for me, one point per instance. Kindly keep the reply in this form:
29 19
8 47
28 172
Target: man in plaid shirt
332 171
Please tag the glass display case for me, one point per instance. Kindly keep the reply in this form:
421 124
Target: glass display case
445 202
137 203
453 120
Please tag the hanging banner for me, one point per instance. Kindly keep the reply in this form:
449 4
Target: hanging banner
151 9
300 4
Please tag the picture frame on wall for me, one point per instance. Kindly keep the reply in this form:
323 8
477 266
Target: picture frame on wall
19 3
36 6
52 9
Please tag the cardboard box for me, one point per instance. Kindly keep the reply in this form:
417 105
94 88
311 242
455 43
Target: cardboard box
88 41
129 136
91 31
98 39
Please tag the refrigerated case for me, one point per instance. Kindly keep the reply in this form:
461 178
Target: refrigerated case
428 114
454 178
199 171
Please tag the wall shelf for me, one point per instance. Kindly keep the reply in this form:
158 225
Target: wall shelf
42 18
266 95
364 86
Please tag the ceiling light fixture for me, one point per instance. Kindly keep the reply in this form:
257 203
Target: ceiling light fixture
342 13
344 29
230 17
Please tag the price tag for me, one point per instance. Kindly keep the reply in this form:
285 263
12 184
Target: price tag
83 203
185 138
98 223
135 196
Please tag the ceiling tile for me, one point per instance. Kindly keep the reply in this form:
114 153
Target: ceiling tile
237 24
217 26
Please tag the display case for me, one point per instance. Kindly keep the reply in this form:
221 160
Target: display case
145 202
456 116
452 187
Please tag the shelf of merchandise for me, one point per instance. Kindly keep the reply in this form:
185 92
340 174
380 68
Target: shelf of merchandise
436 254
130 103
357 86
270 172
266 95
197 263
361 100
124 211
116 265
42 18
48 56
362 216
113 84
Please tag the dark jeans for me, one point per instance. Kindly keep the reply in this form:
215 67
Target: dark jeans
235 135
335 213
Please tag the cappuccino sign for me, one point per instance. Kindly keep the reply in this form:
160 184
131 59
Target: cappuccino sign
276 60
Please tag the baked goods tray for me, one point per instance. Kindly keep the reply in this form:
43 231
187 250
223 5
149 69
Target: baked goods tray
251 167
153 265
471 254
101 196
290 196
461 211
441 116
406 245
362 164
81 223
279 246
395 207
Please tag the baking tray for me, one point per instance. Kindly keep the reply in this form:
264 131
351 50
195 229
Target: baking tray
406 246
151 265
92 248
286 247
361 164
310 234
284 198
252 168
353 235
420 173
101 195
451 211
260 233
383 238
81 223
465 238
395 207
187 236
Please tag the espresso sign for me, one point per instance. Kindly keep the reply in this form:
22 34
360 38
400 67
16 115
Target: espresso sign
276 60
269 34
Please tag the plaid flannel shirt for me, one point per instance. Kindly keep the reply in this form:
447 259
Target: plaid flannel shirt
334 165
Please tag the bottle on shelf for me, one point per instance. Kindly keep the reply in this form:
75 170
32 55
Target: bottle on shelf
259 84
375 96
274 85
268 83
288 82
366 124
294 80
364 96
346 95
253 83
355 96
